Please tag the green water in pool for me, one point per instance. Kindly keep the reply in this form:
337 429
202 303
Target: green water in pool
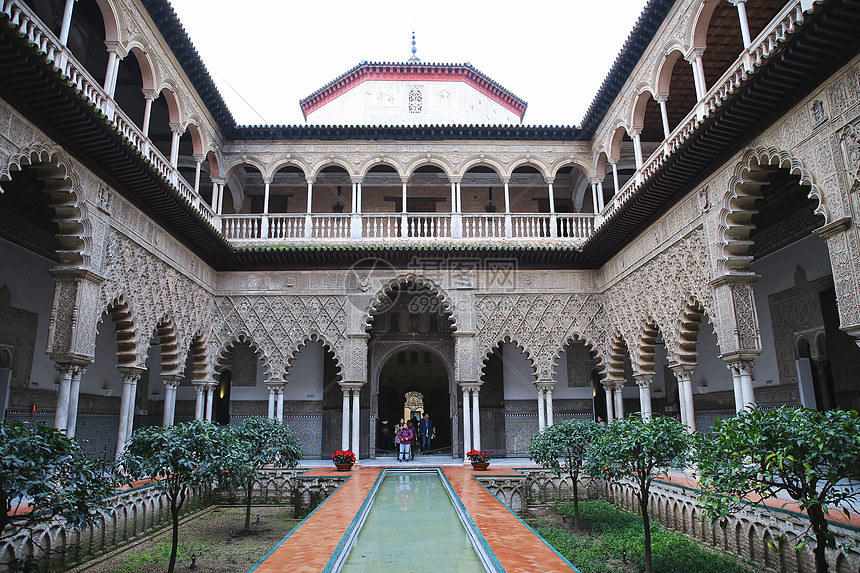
412 526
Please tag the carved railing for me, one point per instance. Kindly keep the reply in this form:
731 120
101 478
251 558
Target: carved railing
375 226
761 48
28 25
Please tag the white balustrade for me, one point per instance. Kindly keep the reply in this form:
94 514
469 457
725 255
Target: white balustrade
483 226
428 225
533 226
381 226
241 227
286 227
330 226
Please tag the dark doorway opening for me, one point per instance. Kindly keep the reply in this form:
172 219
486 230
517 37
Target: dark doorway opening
221 404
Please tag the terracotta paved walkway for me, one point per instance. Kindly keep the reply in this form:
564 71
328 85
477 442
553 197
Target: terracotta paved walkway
310 546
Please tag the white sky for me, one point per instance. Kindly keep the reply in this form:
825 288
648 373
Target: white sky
272 53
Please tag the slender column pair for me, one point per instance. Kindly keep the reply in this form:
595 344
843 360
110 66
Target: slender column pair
351 420
130 377
204 400
742 381
171 383
66 412
684 374
276 402
644 383
544 396
471 417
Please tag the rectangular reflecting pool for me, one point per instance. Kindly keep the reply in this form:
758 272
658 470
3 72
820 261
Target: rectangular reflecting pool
413 521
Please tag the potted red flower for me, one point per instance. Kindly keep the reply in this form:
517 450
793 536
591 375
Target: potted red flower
343 460
480 459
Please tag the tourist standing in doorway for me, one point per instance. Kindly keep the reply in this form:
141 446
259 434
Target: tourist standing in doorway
427 431
404 438
385 435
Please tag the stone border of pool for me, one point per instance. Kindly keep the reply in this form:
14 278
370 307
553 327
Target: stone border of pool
479 543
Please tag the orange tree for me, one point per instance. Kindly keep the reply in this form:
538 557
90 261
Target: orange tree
811 456
563 447
262 442
45 475
638 450
179 458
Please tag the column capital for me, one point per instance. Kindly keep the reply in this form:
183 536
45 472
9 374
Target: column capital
356 179
177 128
545 384
695 53
131 374
352 385
549 180
644 380
150 94
218 180
66 360
455 179
736 2
267 180
173 380
634 131
661 97
116 47
682 371
466 385
740 365
310 180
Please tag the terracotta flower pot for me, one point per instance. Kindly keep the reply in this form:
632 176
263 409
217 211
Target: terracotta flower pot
343 467
481 466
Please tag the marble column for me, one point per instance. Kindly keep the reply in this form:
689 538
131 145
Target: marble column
345 418
548 400
200 401
210 398
476 419
130 376
610 402
271 410
171 383
467 421
743 382
279 405
61 412
74 394
355 421
684 374
644 383
617 393
540 408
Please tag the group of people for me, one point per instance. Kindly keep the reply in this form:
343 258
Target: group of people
406 436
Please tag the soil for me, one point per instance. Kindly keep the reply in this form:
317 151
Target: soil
215 538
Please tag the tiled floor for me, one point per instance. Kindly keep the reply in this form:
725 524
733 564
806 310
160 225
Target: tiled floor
311 546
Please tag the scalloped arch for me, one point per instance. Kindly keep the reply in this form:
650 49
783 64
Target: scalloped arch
242 338
123 317
617 349
385 291
65 197
646 341
327 345
690 319
602 365
744 189
510 339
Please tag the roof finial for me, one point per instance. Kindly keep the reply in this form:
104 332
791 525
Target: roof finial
414 58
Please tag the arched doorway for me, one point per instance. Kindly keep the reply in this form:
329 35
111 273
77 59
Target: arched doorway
411 349
414 381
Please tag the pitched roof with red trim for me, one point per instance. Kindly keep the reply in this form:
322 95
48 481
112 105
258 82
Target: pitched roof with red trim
369 71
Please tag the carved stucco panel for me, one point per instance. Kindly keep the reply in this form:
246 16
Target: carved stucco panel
658 289
278 325
541 323
154 290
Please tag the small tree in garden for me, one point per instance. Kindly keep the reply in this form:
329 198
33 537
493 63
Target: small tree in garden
45 475
262 442
804 453
178 458
639 450
562 447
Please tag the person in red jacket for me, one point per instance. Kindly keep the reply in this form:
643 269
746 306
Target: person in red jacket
404 437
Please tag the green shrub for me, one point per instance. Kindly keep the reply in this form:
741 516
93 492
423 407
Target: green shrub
617 535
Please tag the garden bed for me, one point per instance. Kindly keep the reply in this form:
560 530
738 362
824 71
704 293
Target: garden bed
611 541
205 536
